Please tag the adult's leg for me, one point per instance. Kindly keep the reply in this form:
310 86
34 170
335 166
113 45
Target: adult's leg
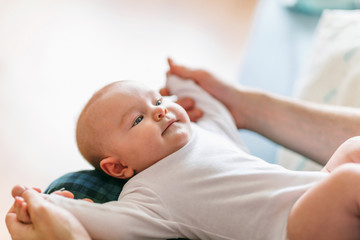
330 210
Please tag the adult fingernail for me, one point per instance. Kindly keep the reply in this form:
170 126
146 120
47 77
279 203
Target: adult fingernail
18 190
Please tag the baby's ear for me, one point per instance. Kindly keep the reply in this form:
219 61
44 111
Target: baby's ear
116 168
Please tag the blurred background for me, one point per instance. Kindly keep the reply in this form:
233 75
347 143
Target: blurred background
55 54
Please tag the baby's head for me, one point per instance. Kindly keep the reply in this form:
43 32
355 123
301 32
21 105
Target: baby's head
126 127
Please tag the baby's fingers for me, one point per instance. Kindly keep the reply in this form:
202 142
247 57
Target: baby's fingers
21 210
64 193
37 189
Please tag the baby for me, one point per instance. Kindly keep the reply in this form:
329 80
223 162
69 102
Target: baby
197 181
125 128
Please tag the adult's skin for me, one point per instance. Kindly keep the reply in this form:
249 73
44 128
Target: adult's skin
313 130
48 220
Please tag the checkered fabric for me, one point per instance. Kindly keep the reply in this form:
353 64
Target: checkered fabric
92 184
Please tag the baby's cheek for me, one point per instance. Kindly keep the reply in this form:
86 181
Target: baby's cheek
184 117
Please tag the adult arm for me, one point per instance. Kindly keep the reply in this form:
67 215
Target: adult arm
313 130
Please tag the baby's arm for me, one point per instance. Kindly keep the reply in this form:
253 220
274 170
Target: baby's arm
139 215
348 152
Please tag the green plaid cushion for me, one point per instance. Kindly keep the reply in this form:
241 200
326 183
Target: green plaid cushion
92 184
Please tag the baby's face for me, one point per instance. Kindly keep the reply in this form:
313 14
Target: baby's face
139 127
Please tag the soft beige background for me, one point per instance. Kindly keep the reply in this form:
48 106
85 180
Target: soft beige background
55 54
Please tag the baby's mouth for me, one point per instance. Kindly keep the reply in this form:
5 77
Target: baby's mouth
169 124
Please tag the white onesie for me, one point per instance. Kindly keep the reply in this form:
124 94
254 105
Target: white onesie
209 189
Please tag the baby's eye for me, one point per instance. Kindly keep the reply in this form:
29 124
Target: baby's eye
137 121
158 102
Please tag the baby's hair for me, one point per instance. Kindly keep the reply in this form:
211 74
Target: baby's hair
88 137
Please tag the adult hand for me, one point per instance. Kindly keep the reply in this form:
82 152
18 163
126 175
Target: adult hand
229 95
187 103
204 79
48 221
20 205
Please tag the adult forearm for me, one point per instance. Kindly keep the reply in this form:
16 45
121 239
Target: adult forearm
313 130
310 129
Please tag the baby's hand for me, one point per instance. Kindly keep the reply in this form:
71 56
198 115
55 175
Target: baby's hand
20 208
69 194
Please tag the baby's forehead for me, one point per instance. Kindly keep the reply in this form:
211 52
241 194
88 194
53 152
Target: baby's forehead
130 88
124 93
118 93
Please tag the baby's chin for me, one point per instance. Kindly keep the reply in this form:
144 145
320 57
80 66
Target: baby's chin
185 139
182 139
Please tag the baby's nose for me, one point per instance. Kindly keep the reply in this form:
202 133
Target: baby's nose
159 113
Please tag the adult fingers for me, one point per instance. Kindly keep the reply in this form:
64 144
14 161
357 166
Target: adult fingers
18 190
189 105
200 77
181 71
12 209
10 218
186 102
195 114
18 230
164 91
36 203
